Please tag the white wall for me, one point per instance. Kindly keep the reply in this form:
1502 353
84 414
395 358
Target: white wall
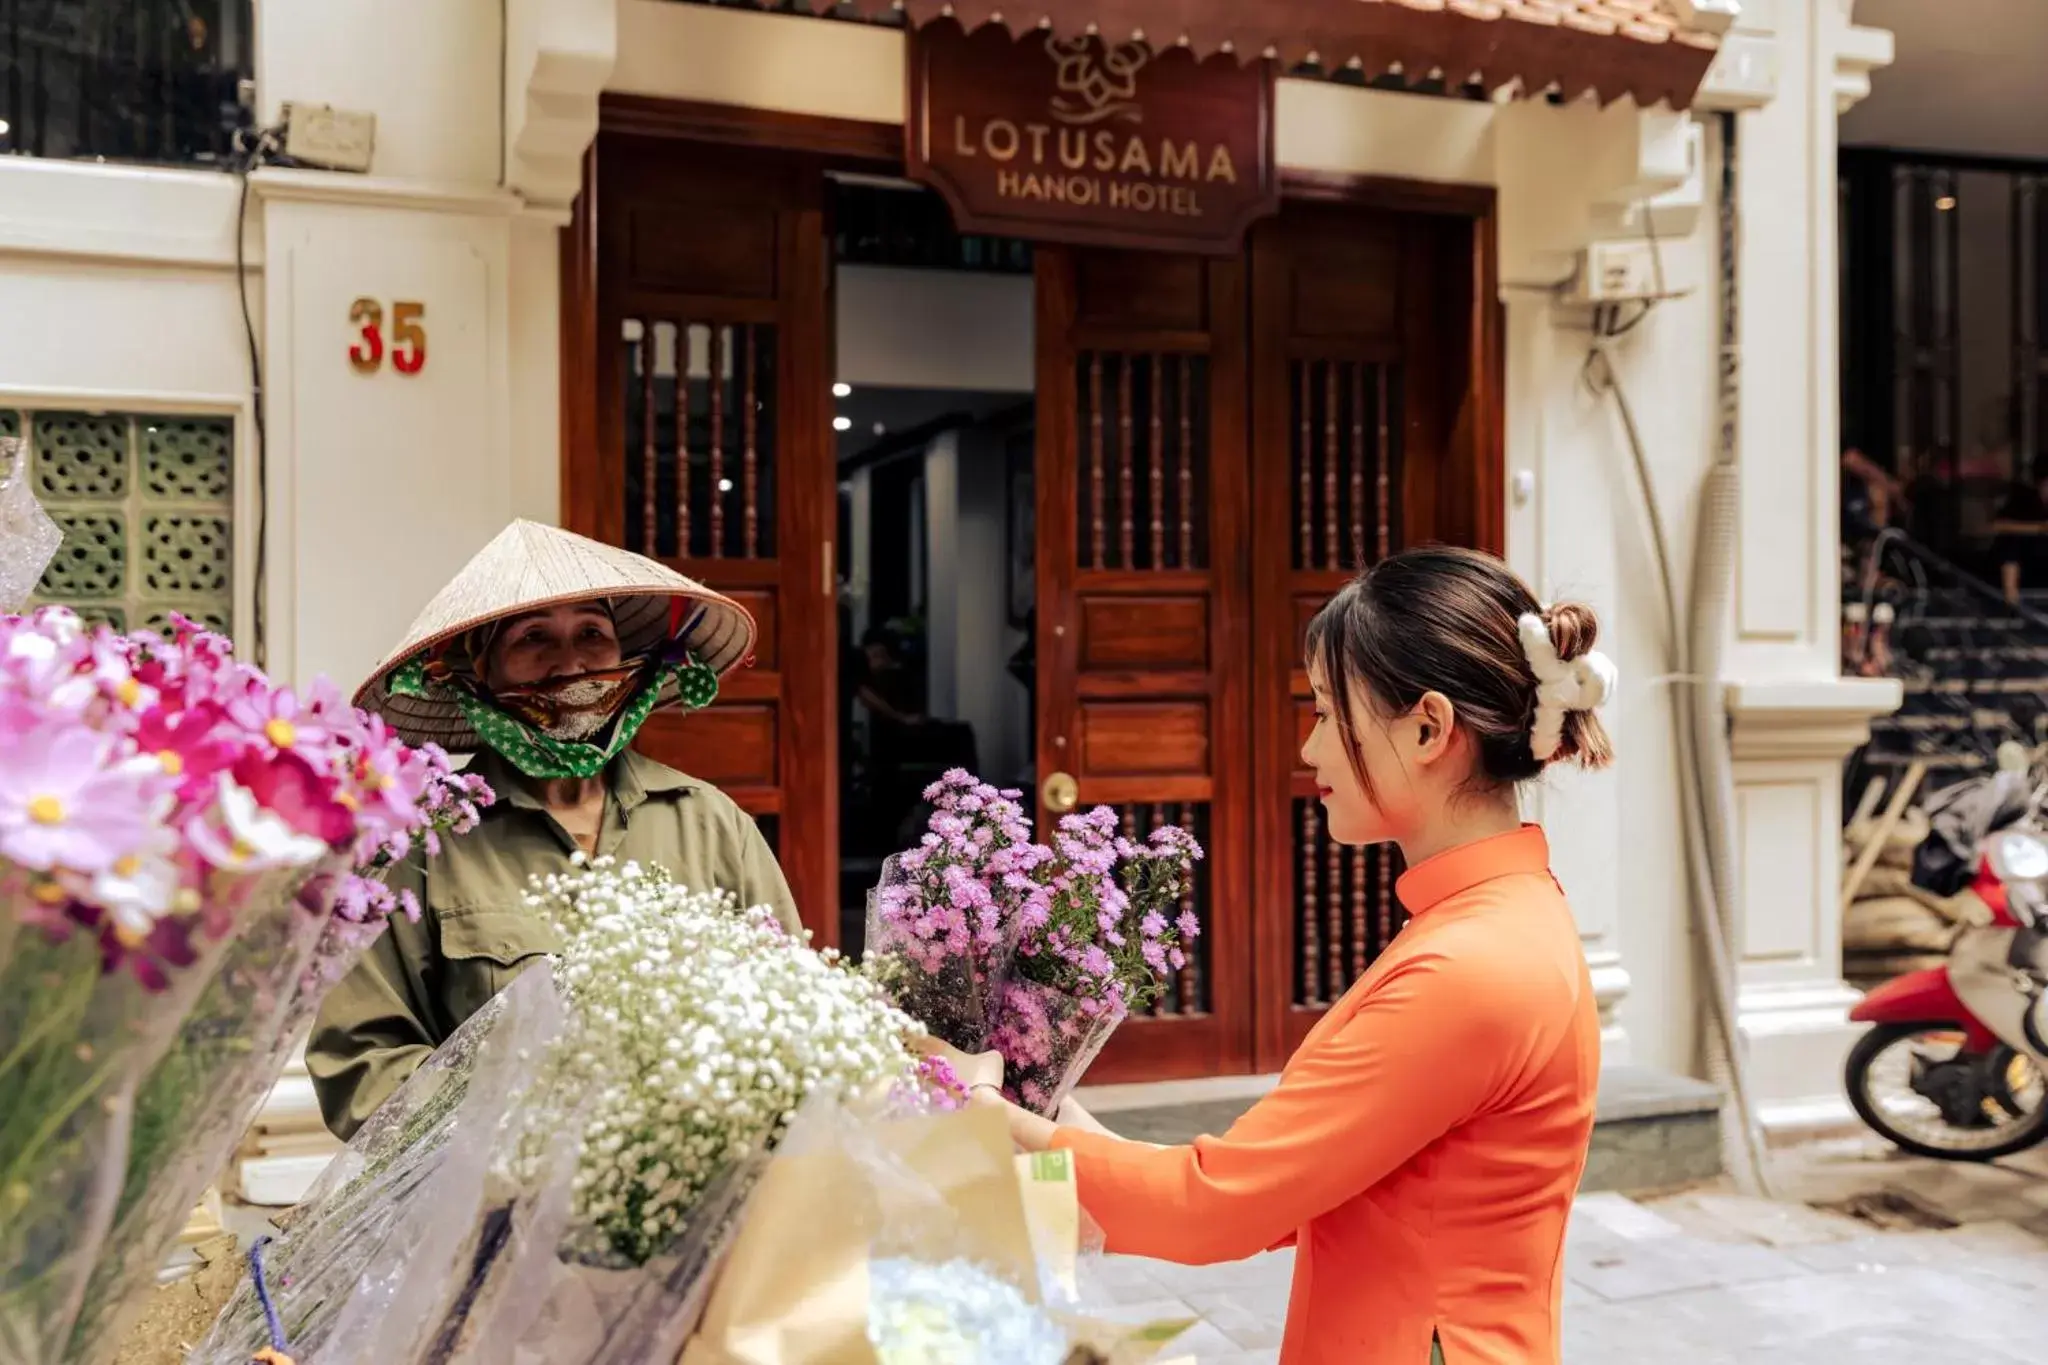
118 293
427 466
118 290
431 73
382 485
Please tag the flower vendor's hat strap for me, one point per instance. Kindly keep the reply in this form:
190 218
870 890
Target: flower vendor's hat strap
529 567
688 683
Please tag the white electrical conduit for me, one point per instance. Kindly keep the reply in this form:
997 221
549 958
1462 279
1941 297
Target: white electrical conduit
1705 822
1706 778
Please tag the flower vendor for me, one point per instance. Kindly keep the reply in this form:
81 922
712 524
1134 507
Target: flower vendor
543 658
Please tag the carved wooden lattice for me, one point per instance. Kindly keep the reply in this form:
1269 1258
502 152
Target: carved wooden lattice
1144 455
1345 435
1345 910
700 432
1187 990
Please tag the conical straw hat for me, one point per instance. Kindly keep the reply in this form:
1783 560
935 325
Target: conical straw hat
531 567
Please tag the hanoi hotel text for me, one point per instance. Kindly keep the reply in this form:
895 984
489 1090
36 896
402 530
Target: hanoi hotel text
1043 164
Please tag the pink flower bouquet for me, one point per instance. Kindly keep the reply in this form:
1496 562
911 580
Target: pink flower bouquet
177 835
1110 932
943 924
993 941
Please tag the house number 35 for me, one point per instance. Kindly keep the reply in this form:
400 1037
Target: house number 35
408 343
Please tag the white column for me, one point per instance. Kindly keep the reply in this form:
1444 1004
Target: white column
381 484
1566 177
1794 718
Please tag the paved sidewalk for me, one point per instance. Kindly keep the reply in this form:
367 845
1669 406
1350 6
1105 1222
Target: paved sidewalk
1704 1279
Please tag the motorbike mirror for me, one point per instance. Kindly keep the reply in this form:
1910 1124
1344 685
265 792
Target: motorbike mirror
2017 856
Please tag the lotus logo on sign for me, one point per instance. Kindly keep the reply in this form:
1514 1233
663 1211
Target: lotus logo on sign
1076 140
1096 83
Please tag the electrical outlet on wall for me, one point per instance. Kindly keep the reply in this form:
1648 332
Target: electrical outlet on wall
1616 272
329 138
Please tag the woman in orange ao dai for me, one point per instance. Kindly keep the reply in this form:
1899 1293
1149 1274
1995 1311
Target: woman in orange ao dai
1422 1148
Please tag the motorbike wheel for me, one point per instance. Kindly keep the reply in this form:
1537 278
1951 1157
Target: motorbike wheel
1934 1134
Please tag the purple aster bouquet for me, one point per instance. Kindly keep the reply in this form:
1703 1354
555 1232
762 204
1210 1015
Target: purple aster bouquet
174 834
943 924
1112 925
993 941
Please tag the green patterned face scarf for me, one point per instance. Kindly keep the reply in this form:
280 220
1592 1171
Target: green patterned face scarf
536 753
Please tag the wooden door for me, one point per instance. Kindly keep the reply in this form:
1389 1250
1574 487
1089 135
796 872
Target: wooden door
708 447
1373 374
1143 602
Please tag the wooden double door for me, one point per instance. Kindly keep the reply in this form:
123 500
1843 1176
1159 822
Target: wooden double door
1222 442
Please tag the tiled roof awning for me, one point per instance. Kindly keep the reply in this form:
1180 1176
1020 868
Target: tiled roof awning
1652 50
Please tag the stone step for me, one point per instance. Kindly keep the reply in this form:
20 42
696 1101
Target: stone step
1655 1131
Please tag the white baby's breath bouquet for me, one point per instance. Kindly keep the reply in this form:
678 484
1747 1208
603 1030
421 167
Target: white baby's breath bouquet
583 1219
696 1030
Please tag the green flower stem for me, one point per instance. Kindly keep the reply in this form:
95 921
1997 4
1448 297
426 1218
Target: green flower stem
56 1120
47 1022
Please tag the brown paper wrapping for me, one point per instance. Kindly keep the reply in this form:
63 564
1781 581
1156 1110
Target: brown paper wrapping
794 1286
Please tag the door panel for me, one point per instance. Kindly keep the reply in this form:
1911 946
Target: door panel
713 455
1366 394
1143 615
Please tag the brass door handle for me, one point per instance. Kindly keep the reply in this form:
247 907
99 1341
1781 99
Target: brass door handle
1061 793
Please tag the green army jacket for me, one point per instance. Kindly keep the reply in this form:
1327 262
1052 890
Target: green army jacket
419 982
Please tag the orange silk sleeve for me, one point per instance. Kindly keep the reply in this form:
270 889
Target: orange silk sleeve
1423 1052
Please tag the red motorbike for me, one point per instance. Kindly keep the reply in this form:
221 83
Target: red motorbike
1954 1066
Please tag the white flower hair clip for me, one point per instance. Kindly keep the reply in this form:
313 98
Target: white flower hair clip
1563 686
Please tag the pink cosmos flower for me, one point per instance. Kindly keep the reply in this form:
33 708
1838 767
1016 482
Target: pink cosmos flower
65 803
112 665
187 745
43 669
286 786
385 779
278 721
241 836
139 888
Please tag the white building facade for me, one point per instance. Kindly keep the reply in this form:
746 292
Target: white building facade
123 292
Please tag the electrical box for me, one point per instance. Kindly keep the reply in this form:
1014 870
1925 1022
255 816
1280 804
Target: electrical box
329 138
1617 272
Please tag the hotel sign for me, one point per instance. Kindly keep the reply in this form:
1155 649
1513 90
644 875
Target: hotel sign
1074 140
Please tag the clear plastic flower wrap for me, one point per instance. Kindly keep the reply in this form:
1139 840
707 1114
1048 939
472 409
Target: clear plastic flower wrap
1049 1038
579 1230
1106 938
919 1241
75 1046
162 808
944 919
196 1102
532 1303
367 1268
28 537
695 1029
